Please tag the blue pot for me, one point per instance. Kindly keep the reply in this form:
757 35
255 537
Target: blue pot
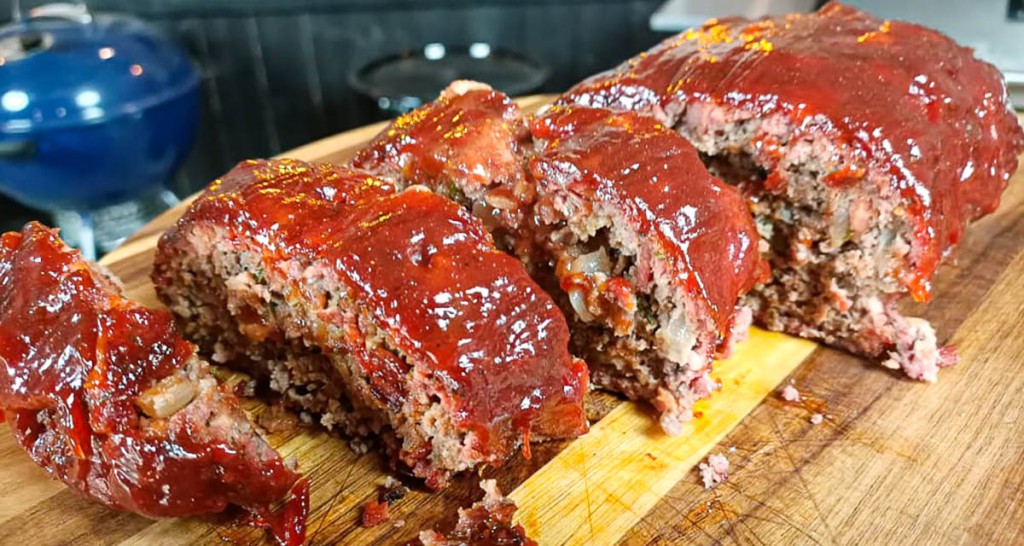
94 110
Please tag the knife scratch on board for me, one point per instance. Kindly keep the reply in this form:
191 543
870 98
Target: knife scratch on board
785 443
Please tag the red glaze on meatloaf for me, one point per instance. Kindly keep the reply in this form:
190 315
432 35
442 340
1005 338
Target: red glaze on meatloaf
630 210
831 116
645 253
633 163
444 342
466 145
106 396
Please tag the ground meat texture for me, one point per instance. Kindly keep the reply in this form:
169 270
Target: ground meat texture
865 147
466 145
714 471
790 394
375 512
646 314
486 523
386 313
650 252
106 396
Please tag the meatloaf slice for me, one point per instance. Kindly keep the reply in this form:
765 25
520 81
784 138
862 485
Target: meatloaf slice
649 293
468 146
864 146
649 252
106 396
386 313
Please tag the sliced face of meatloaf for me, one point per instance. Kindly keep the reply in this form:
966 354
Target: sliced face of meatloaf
649 252
864 146
384 312
467 145
106 396
642 312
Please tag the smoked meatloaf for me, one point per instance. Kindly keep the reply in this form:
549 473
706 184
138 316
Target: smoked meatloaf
864 147
106 396
612 213
650 252
387 313
467 145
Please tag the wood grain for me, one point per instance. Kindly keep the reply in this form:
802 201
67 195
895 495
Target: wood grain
603 484
894 462
898 462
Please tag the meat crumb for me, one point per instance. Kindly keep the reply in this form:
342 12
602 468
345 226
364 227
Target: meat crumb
817 418
790 394
359 446
488 521
374 513
392 491
246 388
715 471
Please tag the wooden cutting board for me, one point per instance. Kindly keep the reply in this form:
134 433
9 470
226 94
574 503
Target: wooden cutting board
894 462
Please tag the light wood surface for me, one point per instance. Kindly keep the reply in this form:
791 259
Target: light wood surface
894 462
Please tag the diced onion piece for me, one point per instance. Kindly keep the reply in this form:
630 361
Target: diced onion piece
487 215
677 340
501 199
594 262
167 397
579 304
839 229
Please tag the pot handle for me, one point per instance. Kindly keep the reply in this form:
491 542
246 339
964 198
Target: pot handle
17 149
72 11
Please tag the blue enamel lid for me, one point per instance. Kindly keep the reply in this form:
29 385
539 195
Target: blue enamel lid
67 71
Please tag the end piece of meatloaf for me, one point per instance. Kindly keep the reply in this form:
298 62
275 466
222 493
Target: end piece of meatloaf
864 146
385 312
106 396
649 251
486 523
467 145
648 266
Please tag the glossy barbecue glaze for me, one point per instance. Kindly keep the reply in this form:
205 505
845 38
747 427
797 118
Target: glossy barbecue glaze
899 98
76 355
460 311
471 132
467 145
698 224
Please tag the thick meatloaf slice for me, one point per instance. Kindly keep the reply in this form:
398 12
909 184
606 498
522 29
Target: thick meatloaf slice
864 146
466 145
649 293
106 396
386 313
485 523
649 251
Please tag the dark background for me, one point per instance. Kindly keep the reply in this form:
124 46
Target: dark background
275 71
1017 10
